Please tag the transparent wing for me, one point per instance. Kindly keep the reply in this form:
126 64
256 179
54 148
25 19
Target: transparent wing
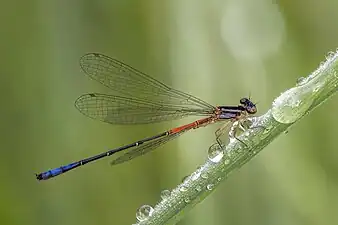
124 110
143 149
128 81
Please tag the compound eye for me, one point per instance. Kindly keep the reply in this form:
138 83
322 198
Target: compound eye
243 100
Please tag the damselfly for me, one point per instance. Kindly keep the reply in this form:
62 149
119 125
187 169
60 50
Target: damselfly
142 100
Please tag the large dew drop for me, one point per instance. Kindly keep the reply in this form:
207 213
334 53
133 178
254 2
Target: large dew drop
293 104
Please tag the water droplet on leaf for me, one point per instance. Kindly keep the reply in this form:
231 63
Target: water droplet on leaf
165 194
144 212
215 153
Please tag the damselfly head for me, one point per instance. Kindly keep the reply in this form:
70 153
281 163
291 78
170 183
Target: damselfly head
249 106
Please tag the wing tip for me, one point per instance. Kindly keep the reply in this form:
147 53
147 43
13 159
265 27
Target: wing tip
86 58
79 101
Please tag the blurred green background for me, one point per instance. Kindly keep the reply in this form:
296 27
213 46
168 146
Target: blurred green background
217 50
